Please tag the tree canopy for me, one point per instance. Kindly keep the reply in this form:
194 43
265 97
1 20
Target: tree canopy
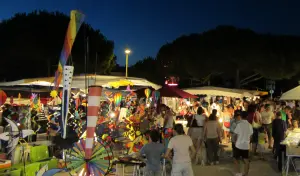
147 68
31 45
227 49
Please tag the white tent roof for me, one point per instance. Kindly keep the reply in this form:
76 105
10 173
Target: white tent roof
214 91
79 81
220 91
293 94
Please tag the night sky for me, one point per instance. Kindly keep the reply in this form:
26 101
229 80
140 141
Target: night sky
145 25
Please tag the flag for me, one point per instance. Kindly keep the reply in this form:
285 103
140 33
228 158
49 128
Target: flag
73 28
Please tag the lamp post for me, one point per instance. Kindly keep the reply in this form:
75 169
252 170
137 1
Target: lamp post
127 52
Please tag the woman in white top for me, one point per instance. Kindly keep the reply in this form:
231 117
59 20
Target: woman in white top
197 128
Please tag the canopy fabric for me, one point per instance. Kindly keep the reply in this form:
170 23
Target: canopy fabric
79 81
220 91
168 91
293 94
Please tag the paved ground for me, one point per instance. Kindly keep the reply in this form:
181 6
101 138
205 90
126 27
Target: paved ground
257 167
226 167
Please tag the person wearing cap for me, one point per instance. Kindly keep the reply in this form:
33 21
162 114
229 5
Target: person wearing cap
244 132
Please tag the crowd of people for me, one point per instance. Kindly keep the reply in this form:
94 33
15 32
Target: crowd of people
252 128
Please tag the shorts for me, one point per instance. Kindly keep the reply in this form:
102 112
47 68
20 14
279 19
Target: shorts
182 169
239 153
268 128
254 139
196 133
235 154
261 148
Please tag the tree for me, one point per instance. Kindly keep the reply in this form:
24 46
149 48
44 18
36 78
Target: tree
32 43
232 51
147 68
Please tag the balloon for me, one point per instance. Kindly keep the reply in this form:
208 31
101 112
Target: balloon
147 92
3 97
117 98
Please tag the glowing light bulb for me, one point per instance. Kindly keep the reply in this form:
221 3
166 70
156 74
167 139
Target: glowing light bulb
220 120
127 51
112 114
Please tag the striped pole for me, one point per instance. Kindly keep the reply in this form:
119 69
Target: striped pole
92 117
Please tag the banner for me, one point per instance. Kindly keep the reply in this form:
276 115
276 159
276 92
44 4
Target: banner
73 28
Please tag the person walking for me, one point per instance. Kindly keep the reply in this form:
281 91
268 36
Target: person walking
181 144
279 127
267 118
212 136
197 128
243 131
256 124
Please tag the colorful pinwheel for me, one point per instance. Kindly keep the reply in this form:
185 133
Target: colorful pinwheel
117 99
99 165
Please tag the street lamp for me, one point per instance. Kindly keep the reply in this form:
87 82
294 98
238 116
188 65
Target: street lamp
127 52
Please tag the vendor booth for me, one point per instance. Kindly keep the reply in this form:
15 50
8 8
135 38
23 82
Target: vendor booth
171 96
226 92
80 82
293 94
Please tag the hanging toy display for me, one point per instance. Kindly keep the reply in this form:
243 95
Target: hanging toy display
117 99
147 93
3 97
155 97
53 94
35 102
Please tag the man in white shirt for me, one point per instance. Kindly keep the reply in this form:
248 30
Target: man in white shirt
181 144
243 131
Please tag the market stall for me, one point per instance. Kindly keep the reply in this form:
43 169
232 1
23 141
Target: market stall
226 92
291 142
80 82
293 94
171 96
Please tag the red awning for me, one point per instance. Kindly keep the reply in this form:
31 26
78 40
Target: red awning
168 91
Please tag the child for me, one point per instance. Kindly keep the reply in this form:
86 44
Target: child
262 139
153 151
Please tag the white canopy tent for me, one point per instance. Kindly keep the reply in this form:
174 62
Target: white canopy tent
220 91
293 94
79 81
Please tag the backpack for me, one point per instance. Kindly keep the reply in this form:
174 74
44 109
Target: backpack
193 122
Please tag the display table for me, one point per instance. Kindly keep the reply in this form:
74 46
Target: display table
292 149
128 161
291 153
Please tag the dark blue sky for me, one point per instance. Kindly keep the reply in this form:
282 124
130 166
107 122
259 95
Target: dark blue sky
145 25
